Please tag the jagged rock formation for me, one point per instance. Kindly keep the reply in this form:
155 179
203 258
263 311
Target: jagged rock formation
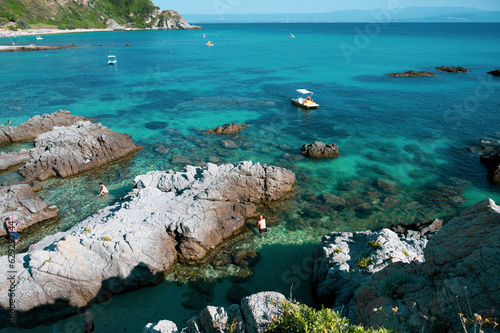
253 316
170 20
27 207
452 69
132 243
67 151
36 126
461 267
413 74
227 129
319 149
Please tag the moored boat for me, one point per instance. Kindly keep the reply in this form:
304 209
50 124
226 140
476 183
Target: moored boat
304 99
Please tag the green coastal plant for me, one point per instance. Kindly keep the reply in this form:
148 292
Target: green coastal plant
476 321
87 230
338 250
405 253
374 245
391 282
363 262
108 239
301 318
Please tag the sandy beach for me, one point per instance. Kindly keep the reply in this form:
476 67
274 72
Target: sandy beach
35 32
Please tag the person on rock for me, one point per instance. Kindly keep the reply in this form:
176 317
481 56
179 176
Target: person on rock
103 190
12 228
261 224
87 320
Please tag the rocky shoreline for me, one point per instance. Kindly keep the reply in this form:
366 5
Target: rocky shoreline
167 217
416 278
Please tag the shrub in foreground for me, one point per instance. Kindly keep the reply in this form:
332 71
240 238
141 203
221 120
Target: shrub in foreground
301 318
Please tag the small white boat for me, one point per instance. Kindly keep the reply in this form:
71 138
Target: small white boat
112 60
304 99
39 38
210 43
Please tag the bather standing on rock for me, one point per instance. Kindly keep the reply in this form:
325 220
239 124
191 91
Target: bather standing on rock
87 321
103 190
12 228
261 224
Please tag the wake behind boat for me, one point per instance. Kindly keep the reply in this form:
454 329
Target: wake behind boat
304 99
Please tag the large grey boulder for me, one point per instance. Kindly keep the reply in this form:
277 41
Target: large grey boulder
460 274
36 126
260 309
172 20
25 205
163 326
132 243
219 320
67 151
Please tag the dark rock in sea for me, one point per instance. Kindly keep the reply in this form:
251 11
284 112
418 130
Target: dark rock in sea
156 125
236 293
36 125
202 286
195 302
452 69
413 74
334 201
492 161
227 129
244 275
319 149
495 72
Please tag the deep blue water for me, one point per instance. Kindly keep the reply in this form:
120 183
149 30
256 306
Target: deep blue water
168 87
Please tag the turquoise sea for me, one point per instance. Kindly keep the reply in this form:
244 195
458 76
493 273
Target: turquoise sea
168 87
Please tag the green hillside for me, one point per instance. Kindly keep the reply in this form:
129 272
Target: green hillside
71 14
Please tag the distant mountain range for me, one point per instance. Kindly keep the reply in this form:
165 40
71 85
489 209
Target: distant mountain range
409 14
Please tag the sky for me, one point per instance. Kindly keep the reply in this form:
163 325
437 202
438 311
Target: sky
308 6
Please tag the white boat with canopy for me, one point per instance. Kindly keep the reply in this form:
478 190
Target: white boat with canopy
304 99
112 60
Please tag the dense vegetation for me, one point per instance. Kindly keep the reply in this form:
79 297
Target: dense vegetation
301 318
76 14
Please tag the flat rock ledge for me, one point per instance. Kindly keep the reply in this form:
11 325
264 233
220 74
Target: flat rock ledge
414 282
68 151
253 315
227 129
168 216
452 69
413 74
36 125
320 150
32 47
25 205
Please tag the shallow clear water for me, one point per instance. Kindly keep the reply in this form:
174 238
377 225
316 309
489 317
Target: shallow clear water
410 132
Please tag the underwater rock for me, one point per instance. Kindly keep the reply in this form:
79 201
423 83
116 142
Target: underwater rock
246 258
319 149
385 186
236 293
227 129
229 144
133 242
37 125
413 74
67 151
452 69
25 205
456 265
